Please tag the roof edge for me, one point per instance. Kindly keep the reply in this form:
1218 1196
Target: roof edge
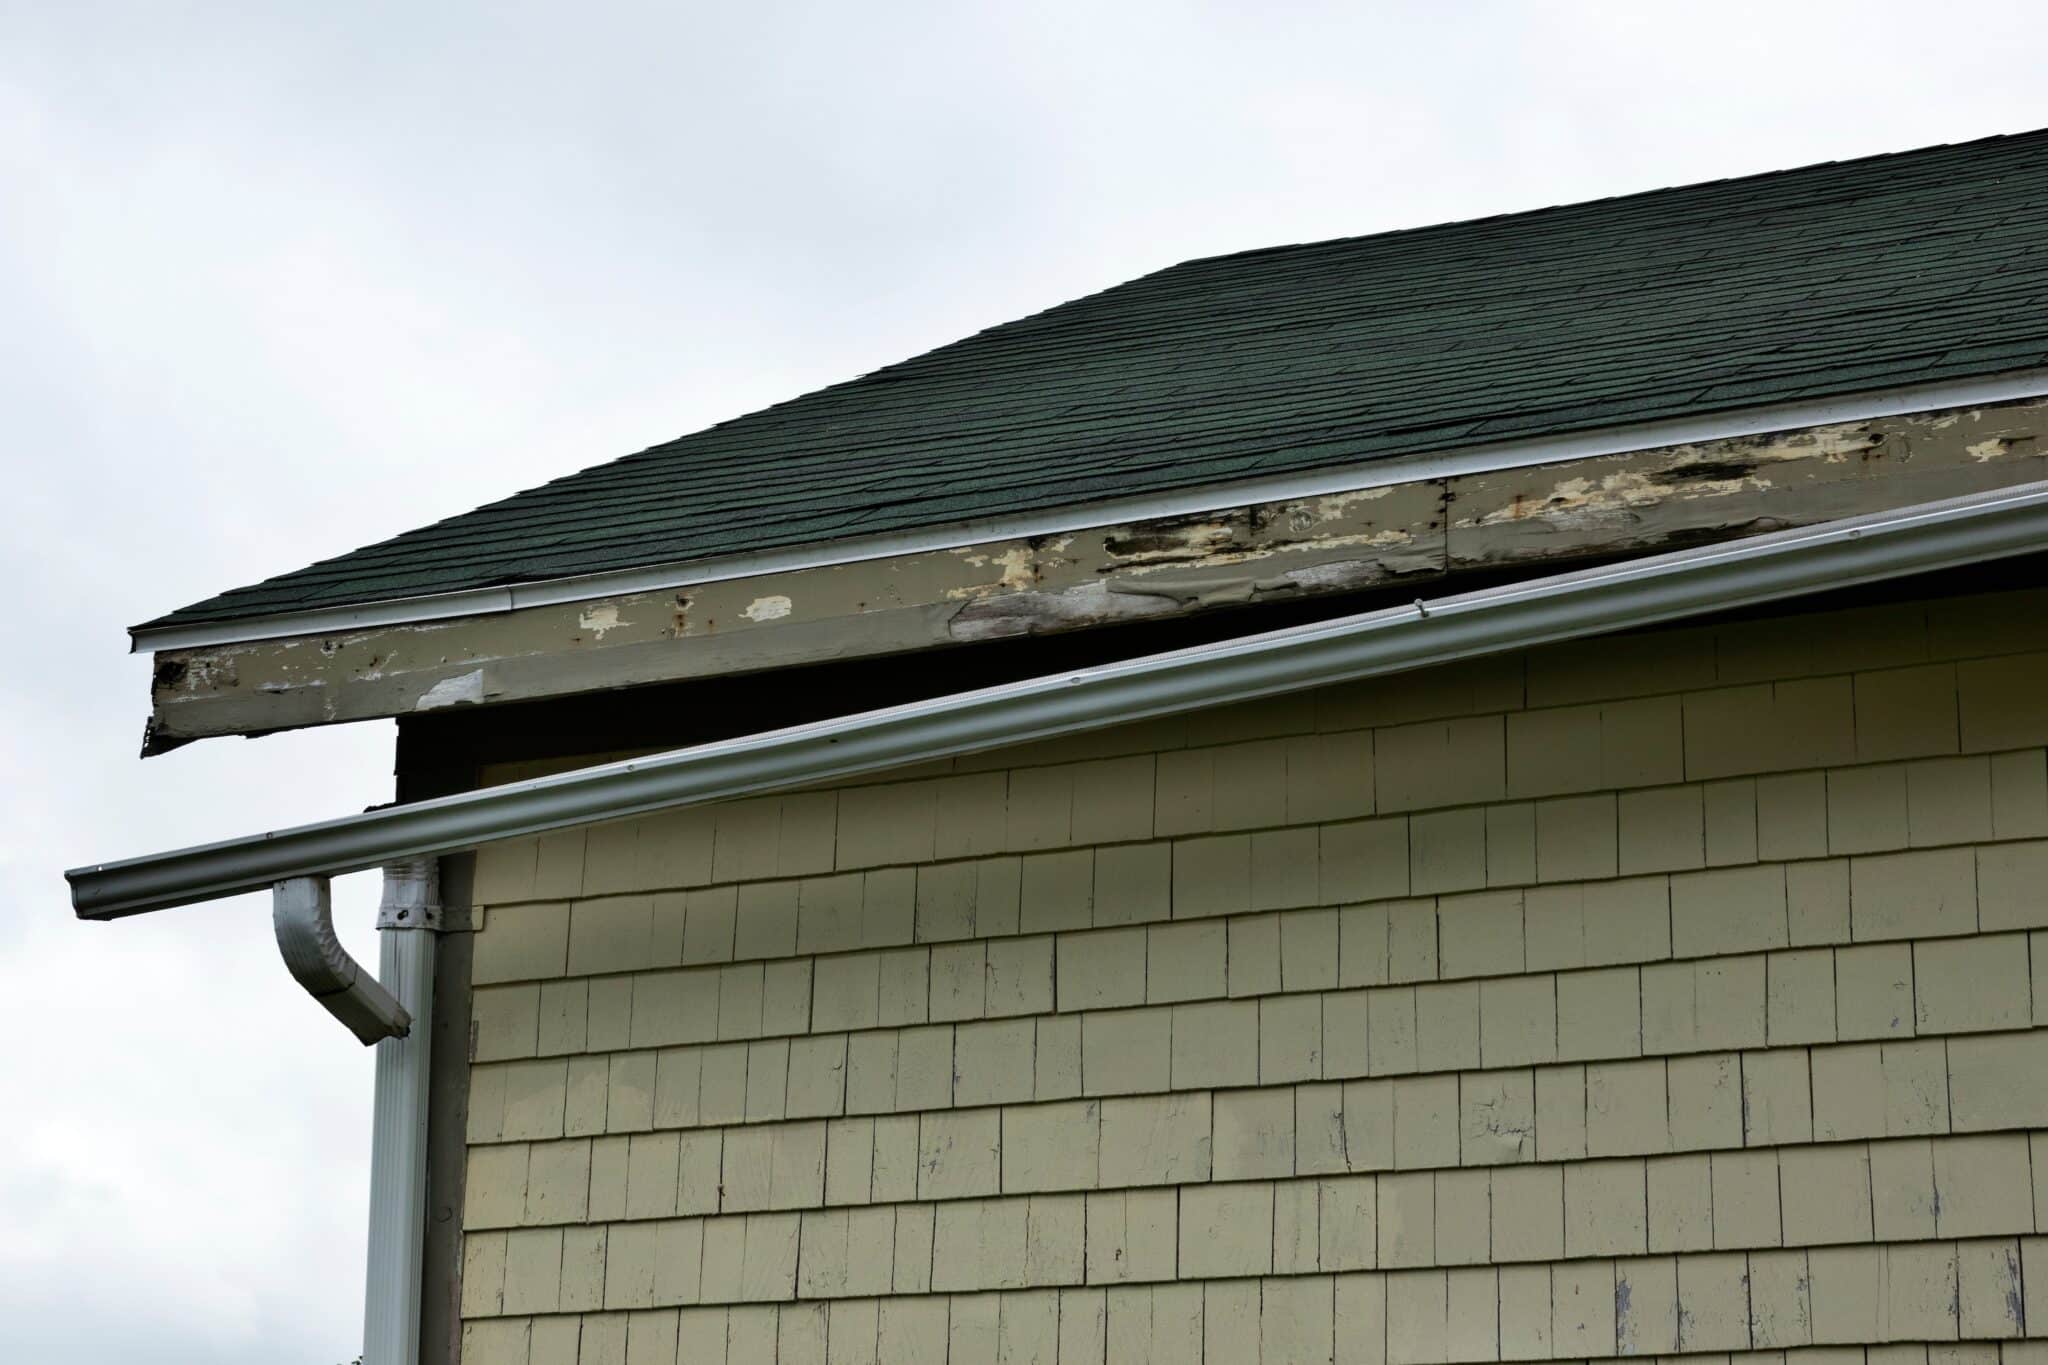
1918 539
1474 459
1626 196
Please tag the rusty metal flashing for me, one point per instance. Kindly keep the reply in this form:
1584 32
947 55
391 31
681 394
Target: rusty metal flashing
1924 538
1409 535
1198 501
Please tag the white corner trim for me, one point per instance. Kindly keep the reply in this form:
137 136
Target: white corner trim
1476 459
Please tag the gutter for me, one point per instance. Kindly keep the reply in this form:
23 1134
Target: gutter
1478 458
1893 544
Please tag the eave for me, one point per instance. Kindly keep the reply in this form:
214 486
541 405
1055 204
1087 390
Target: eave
1426 521
1840 553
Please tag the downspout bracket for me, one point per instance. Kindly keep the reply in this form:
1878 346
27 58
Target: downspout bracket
412 897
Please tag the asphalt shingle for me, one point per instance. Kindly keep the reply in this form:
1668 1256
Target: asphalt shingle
1899 269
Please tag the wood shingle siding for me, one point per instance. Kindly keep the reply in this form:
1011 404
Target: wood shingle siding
1678 995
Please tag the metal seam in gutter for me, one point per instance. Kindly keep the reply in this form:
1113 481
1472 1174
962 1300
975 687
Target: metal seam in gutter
1478 459
1764 568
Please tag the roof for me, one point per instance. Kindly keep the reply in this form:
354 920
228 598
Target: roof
1892 270
1771 567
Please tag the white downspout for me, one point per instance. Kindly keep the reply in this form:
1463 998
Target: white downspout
408 925
302 912
390 1013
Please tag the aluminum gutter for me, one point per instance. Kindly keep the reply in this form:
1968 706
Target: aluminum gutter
1893 544
1482 458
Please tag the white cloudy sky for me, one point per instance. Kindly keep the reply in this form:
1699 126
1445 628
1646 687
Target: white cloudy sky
276 281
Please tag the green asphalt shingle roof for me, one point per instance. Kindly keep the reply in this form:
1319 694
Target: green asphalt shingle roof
1852 275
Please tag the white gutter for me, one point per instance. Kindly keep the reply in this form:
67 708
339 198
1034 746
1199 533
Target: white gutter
1480 458
1893 544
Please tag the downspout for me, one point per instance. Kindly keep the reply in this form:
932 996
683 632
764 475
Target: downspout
302 912
382 1013
408 926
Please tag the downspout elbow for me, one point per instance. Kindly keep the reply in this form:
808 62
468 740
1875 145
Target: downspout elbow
302 910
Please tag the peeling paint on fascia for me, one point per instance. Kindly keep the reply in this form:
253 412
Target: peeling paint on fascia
1335 505
1329 542
598 620
1019 566
1164 589
1996 448
455 691
1170 544
1152 563
1011 559
1619 491
448 623
771 608
1388 538
1018 569
1832 445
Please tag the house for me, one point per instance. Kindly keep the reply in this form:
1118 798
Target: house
1460 795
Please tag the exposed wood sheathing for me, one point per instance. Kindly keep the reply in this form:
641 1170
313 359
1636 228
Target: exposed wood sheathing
1420 532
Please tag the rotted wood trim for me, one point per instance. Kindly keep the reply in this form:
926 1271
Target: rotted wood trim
1294 550
1662 499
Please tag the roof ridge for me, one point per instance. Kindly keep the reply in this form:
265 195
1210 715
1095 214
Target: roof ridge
1626 197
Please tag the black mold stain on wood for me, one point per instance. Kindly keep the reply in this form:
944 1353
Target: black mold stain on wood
1170 539
1705 471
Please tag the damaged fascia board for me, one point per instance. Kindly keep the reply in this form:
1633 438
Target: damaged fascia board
1634 501
1925 538
1180 503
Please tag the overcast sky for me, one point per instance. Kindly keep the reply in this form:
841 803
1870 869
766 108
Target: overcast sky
279 281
